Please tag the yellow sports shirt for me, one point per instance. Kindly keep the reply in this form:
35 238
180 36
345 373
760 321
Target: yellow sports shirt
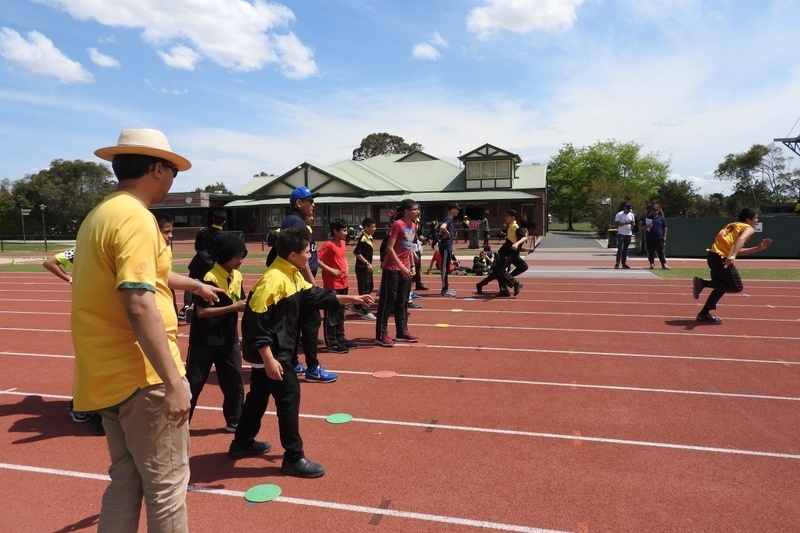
723 243
121 248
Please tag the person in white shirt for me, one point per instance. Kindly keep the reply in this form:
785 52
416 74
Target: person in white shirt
624 221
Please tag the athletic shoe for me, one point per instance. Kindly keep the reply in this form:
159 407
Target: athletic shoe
406 337
517 288
503 294
231 428
302 468
254 447
80 418
664 267
707 317
421 287
348 344
478 288
182 313
652 266
626 267
319 375
448 293
351 308
415 296
697 287
369 316
337 348
300 369
386 342
616 266
415 305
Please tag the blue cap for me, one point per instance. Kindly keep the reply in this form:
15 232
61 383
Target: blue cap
301 193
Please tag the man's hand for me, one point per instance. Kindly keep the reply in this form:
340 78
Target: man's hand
208 293
177 402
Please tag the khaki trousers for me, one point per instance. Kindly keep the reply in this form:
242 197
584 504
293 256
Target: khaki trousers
150 460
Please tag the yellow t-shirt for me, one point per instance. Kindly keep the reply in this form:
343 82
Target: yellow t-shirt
121 248
511 233
727 237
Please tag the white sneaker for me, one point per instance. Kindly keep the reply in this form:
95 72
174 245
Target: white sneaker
369 316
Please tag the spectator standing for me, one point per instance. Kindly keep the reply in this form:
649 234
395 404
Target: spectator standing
127 362
729 243
334 254
364 252
447 234
214 333
655 228
485 229
624 221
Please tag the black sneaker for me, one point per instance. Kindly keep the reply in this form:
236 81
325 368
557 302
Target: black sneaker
517 288
421 287
697 287
707 317
350 345
478 288
237 451
337 348
626 267
503 294
302 468
96 424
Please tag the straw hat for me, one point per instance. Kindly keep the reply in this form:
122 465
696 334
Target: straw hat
144 142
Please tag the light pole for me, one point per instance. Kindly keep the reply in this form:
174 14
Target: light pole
44 227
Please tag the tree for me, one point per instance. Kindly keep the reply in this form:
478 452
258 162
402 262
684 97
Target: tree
218 187
68 189
592 181
383 143
760 176
678 198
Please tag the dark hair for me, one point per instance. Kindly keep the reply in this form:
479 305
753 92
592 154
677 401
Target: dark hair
746 213
404 206
220 216
163 218
512 212
338 223
367 222
133 166
291 240
487 248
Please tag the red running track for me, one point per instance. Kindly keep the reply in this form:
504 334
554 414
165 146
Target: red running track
582 405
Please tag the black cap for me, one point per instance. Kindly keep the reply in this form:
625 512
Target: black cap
227 246
453 205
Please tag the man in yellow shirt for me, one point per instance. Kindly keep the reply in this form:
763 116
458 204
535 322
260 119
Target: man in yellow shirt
124 329
725 278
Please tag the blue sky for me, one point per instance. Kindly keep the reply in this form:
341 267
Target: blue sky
242 87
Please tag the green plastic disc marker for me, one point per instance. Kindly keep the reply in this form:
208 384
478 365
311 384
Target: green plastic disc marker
339 418
262 493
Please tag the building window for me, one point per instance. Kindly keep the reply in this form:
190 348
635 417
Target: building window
489 174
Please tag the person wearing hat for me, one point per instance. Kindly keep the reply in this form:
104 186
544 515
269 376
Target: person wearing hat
214 333
301 203
128 365
624 221
447 233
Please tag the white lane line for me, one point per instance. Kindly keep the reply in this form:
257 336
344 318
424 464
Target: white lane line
530 328
440 519
517 433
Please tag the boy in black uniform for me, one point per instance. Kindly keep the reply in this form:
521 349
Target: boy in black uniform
364 251
270 330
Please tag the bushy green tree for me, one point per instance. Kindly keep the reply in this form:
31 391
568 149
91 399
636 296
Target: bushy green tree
383 143
217 187
760 177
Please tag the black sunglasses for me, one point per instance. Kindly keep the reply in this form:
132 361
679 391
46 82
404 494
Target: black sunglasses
170 166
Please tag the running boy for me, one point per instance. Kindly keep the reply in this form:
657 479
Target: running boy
364 251
334 254
270 330
725 278
214 333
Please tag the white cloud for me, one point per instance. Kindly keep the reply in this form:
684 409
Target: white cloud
235 34
425 51
437 40
521 16
39 55
102 60
181 57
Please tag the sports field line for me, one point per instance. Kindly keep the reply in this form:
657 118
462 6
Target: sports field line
517 329
372 511
512 432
